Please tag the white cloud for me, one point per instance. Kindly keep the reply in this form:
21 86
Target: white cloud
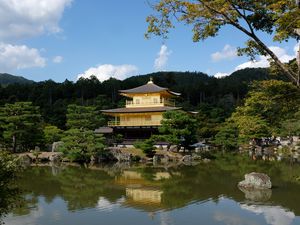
274 215
19 57
105 71
263 61
220 75
162 58
57 59
227 53
27 18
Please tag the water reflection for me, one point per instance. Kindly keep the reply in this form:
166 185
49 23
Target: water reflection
232 219
257 195
206 194
107 206
274 215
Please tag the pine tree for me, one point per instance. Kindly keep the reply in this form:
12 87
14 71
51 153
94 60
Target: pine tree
81 145
21 126
79 117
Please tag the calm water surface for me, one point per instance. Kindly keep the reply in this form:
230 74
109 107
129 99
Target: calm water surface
165 195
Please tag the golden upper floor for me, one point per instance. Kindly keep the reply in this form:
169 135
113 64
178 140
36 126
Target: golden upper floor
149 95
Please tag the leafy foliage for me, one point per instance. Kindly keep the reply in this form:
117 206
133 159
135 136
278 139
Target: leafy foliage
21 125
81 145
147 146
227 137
52 134
272 101
250 127
291 126
178 128
271 108
83 117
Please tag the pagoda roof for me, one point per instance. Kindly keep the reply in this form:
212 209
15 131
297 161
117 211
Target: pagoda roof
150 87
140 109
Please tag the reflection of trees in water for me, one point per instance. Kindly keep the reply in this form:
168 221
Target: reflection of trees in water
9 193
9 198
219 178
177 187
27 204
79 187
274 215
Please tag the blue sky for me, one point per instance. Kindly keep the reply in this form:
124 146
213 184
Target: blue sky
64 39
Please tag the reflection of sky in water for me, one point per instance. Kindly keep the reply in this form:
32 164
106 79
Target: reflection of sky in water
30 219
106 206
232 219
165 219
274 215
222 211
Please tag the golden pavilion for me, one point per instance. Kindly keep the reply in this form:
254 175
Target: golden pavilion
143 111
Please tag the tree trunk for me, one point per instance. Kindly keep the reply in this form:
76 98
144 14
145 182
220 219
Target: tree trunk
294 77
298 61
14 140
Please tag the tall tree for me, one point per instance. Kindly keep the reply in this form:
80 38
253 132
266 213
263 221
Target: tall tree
52 134
21 125
178 128
81 145
83 117
272 101
291 126
271 108
227 137
277 18
250 127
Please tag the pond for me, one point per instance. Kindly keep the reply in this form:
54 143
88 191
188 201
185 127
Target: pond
206 193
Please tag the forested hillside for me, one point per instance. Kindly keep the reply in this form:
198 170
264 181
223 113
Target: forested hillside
199 91
6 79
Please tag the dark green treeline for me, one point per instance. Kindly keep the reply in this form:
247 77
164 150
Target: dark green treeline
217 98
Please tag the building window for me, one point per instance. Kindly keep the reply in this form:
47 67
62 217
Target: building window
148 118
155 101
137 101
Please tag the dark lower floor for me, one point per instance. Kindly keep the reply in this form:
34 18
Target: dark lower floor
135 132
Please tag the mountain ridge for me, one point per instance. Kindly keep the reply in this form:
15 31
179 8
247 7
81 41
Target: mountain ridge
6 79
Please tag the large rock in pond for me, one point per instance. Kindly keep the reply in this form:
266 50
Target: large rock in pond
256 181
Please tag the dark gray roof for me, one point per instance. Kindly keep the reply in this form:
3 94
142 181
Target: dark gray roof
150 87
141 109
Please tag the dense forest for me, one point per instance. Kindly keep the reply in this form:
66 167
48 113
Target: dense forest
198 91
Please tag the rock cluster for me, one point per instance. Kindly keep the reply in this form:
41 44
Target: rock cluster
27 158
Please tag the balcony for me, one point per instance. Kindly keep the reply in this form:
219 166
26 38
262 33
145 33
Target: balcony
134 123
162 102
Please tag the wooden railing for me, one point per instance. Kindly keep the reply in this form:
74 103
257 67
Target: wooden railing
162 102
134 123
